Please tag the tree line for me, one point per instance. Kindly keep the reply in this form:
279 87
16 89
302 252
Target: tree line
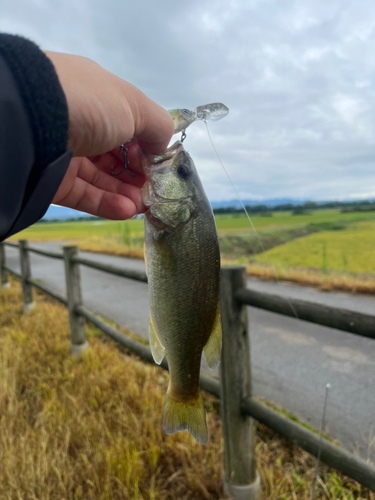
308 206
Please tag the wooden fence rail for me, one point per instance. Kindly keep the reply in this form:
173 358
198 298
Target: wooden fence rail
342 319
349 321
52 255
108 268
239 409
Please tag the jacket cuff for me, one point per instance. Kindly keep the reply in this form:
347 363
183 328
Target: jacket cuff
42 196
42 96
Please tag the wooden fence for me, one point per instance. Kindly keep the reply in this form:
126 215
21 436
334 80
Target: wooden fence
238 408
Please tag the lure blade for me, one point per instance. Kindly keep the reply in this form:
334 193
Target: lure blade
182 118
215 111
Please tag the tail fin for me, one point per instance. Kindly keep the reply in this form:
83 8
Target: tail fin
189 415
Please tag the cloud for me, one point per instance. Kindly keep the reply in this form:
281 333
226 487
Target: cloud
298 78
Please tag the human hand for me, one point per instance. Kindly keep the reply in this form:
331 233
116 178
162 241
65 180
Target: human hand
89 186
104 112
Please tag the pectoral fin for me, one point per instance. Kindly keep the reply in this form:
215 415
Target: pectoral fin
212 350
157 348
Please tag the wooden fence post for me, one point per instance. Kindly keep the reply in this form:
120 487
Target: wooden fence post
74 295
4 282
27 288
241 480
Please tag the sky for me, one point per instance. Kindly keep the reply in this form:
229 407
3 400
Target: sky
297 76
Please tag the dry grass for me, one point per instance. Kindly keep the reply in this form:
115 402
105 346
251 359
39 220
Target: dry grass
112 247
90 428
316 278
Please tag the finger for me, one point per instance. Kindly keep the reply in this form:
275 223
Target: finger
99 194
115 159
90 174
153 125
96 201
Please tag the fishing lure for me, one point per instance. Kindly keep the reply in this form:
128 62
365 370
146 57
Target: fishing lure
182 119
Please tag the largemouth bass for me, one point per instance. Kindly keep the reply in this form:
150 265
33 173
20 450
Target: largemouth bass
183 269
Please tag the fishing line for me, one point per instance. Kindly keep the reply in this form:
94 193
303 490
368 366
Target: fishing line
247 214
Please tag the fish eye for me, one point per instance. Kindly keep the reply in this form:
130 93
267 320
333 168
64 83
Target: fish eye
186 112
183 171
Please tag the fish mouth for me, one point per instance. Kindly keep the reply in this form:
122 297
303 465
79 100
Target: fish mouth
149 159
168 153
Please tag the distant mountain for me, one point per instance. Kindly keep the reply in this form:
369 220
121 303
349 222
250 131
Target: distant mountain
270 203
62 213
273 202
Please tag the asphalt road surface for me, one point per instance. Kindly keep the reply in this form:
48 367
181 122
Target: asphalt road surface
292 360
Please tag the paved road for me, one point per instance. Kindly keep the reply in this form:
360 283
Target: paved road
292 360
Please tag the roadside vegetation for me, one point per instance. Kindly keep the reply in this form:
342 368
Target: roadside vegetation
331 249
91 428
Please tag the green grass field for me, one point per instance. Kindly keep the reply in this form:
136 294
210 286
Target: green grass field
280 220
323 239
47 231
351 249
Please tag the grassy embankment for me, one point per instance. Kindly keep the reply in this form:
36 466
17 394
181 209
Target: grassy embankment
91 428
326 248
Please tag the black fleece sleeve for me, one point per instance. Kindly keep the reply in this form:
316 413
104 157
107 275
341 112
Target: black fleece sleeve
33 134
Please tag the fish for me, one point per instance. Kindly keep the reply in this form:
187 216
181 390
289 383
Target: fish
183 269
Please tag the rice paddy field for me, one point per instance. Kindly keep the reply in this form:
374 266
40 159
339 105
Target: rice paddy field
90 428
352 249
336 249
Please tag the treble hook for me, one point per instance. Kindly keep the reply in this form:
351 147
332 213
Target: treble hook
124 151
183 135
